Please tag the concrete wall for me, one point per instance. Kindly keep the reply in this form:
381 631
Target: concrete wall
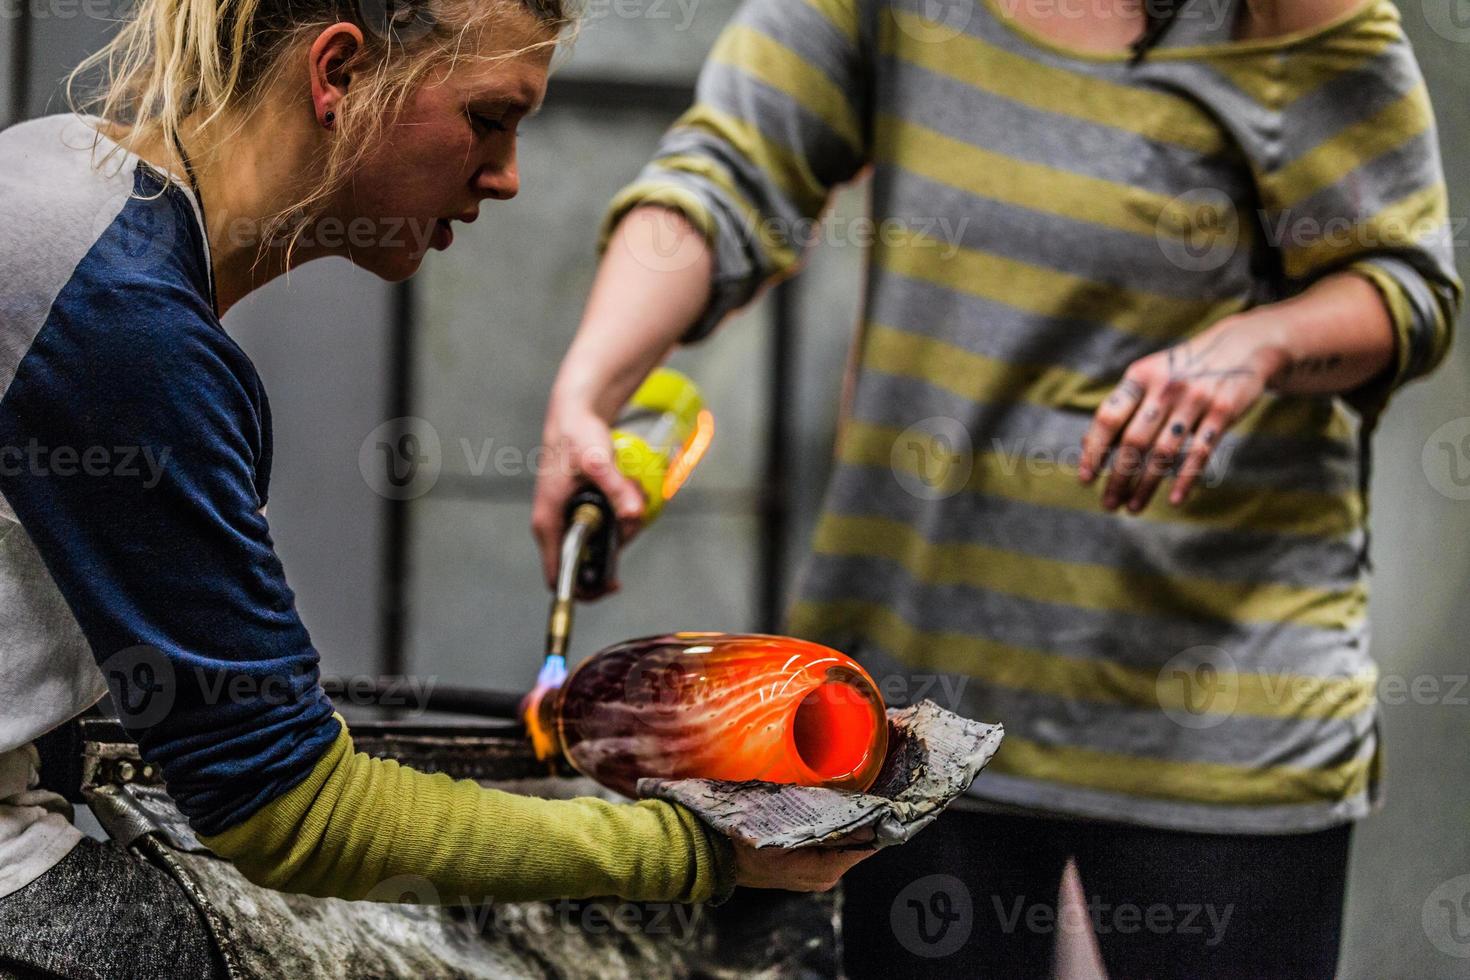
497 312
60 37
495 315
1416 854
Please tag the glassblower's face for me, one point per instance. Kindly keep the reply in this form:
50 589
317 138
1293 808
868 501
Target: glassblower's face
451 147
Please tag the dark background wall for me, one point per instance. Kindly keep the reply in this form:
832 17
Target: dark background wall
446 585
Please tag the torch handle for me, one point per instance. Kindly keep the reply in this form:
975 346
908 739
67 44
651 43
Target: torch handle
598 561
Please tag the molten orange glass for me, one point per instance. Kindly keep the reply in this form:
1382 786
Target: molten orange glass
718 706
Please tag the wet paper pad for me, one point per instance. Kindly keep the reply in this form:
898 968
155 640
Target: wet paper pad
933 756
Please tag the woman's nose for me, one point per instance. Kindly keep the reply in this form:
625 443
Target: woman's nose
500 182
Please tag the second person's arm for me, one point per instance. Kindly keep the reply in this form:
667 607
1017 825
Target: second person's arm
782 116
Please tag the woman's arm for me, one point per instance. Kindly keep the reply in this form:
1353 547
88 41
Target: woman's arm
782 117
1355 216
172 576
365 828
1176 404
1332 339
652 285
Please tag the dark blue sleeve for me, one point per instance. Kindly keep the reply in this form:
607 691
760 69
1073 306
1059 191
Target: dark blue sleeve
134 451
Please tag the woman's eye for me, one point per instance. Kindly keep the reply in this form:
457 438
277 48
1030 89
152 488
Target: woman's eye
487 124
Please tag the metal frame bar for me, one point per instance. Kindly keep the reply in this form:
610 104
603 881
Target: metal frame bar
20 67
592 92
776 504
397 526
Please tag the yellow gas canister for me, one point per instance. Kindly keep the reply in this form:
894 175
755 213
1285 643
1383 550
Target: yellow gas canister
661 436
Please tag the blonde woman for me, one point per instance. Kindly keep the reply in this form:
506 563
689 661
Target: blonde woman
136 447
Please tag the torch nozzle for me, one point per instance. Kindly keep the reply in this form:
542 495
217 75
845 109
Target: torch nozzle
536 708
586 520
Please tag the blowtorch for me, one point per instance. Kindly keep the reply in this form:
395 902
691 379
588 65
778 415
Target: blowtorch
658 439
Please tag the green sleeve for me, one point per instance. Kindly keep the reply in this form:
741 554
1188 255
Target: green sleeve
364 828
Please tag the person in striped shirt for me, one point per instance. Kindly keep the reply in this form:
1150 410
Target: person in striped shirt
1103 460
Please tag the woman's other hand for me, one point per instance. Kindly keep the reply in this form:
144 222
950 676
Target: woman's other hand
1333 338
811 869
1172 408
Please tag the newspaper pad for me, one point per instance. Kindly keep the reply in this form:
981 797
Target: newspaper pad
933 756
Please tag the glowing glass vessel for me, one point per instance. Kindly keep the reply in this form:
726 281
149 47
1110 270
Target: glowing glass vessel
718 706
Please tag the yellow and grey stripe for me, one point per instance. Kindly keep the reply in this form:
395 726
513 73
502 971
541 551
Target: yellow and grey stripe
1048 220
1008 500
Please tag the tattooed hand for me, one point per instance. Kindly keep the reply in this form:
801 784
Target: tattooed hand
1174 406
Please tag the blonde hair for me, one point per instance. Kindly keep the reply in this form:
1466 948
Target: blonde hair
192 61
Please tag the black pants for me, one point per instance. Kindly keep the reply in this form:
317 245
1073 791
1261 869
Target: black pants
975 895
105 912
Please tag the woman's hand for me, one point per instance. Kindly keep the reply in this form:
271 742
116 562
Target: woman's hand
577 448
808 869
1333 338
638 310
1177 404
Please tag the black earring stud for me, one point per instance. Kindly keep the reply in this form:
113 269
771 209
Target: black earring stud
329 118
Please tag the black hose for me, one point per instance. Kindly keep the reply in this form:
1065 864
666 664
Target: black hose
395 694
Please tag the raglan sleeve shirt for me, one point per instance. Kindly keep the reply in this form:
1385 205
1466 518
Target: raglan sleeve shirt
138 444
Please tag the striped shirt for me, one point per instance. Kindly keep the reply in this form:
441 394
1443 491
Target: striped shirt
1044 217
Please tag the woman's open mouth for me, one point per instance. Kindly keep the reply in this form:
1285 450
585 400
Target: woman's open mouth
443 235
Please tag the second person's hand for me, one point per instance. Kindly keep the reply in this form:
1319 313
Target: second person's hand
577 449
637 312
1172 408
